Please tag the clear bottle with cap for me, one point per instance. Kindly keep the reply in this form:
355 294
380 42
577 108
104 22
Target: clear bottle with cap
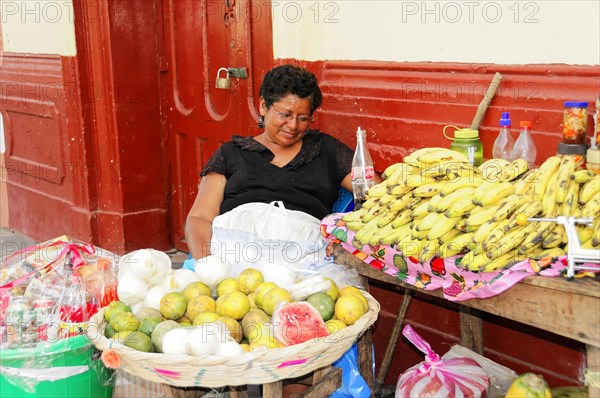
524 147
504 142
363 173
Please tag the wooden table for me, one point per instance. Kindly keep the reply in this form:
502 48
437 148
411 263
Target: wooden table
567 308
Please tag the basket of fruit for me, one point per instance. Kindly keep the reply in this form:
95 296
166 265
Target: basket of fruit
254 332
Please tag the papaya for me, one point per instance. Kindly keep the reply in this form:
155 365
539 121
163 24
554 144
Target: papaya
529 385
569 392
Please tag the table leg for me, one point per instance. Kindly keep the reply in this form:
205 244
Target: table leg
471 329
593 366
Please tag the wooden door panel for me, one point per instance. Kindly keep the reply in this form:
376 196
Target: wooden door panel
201 37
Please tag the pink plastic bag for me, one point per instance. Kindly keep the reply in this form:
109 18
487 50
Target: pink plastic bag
443 378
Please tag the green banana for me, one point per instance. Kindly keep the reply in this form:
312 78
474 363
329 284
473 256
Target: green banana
565 171
582 176
514 170
547 170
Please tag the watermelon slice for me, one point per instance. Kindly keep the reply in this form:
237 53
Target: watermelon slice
298 322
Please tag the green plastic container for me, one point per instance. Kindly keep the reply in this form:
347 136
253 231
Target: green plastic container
75 351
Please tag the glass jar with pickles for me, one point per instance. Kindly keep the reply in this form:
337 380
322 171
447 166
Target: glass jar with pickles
574 122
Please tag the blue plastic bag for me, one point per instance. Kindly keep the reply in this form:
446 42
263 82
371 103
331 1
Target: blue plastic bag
353 384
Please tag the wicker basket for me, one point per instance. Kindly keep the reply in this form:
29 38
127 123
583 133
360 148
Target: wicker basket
257 367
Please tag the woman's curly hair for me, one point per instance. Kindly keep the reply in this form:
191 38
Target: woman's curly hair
290 79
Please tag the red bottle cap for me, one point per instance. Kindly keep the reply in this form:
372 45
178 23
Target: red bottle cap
525 123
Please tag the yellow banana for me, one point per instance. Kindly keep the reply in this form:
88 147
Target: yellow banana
514 170
445 155
429 221
589 244
399 189
386 218
390 170
482 190
501 262
497 193
536 238
401 173
482 216
396 235
416 180
448 236
510 241
554 238
447 201
400 203
461 182
386 199
373 212
402 219
484 230
571 199
553 252
354 225
377 191
497 232
428 250
491 170
507 206
380 233
526 184
590 190
584 232
433 203
596 232
460 207
565 171
582 176
370 203
428 190
421 211
354 215
547 170
456 245
591 208
549 198
529 209
442 226
367 231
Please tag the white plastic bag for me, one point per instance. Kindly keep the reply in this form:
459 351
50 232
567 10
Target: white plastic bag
259 232
440 378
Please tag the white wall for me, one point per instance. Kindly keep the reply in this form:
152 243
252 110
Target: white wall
38 26
502 31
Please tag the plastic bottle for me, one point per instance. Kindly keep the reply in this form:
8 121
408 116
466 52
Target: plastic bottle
524 147
504 142
363 173
101 285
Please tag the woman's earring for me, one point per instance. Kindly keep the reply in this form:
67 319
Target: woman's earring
261 121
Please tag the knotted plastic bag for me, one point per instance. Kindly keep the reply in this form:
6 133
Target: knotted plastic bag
443 378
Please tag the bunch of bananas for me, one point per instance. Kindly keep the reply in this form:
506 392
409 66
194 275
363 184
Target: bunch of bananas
436 204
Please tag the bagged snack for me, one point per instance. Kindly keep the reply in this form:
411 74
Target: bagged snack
440 378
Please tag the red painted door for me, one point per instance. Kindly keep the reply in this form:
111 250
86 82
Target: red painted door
200 37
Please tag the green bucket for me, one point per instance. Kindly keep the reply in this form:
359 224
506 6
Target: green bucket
75 351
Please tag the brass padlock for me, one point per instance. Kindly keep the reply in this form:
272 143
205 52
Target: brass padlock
223 82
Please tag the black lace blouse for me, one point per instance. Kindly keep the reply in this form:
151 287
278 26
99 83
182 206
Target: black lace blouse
309 182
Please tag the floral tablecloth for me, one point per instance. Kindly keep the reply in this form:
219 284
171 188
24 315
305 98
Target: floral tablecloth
456 283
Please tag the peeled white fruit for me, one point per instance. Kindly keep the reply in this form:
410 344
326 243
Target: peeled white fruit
229 349
211 270
183 277
203 341
175 341
168 284
149 265
153 297
131 289
281 274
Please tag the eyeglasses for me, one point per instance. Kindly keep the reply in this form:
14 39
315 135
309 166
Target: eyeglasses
287 117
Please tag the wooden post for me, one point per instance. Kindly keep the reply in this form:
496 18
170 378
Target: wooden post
471 329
